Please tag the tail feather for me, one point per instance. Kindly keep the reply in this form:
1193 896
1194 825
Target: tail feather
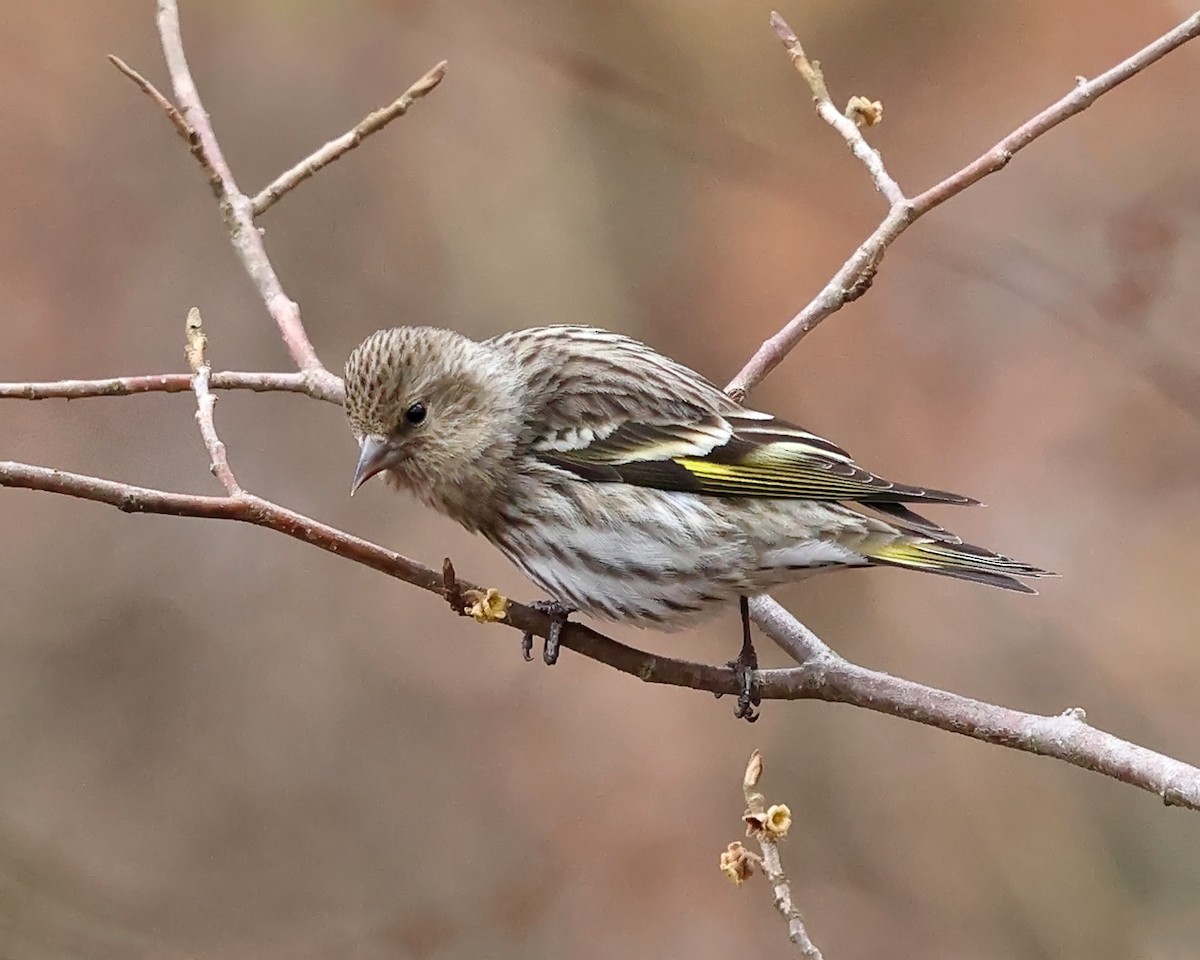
910 520
960 560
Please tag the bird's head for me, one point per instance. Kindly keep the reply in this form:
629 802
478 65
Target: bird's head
436 410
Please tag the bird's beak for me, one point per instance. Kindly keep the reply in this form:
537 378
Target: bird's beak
372 458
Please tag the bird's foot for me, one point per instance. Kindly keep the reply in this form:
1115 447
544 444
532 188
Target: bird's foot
749 698
745 666
558 614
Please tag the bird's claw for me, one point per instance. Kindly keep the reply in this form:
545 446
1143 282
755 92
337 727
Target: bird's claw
745 666
749 696
558 614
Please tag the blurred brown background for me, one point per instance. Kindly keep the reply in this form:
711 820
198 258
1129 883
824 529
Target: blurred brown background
217 743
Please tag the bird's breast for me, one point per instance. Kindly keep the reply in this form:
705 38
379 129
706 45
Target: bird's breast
623 553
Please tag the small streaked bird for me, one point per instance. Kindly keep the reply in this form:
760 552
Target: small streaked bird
627 486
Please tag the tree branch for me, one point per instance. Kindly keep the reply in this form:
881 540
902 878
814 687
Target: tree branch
237 208
206 403
167 107
163 383
768 825
789 634
810 70
194 126
372 123
826 676
857 273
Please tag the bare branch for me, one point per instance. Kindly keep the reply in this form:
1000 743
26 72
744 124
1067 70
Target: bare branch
810 70
768 825
157 96
206 403
237 208
192 123
857 273
240 211
827 677
789 634
163 383
847 285
373 122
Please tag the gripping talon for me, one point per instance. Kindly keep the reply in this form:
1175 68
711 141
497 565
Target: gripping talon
558 614
749 698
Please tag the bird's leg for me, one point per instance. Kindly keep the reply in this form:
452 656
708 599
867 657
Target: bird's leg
558 614
745 665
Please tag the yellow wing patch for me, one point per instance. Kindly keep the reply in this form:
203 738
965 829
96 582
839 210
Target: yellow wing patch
787 479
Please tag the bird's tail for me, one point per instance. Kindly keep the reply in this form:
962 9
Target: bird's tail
959 560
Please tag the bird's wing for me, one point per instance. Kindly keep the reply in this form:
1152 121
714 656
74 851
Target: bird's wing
610 409
744 454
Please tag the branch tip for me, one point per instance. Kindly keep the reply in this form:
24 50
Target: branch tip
786 34
331 151
767 825
195 342
431 79
177 121
754 771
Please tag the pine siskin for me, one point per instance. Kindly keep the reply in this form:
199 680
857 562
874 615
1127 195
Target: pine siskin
624 484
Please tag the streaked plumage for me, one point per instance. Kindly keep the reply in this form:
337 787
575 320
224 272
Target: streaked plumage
624 484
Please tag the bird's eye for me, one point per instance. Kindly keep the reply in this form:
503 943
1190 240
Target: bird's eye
415 414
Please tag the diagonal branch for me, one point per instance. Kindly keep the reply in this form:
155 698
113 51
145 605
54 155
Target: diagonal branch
789 634
810 70
192 122
167 107
857 273
237 208
1065 737
372 123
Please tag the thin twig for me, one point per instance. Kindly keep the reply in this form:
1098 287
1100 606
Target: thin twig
810 70
768 825
206 402
162 383
856 274
789 634
150 90
370 124
237 208
1066 737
